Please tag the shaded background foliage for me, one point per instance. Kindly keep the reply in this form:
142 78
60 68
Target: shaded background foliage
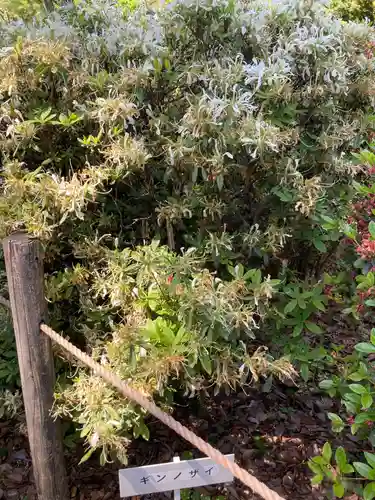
354 10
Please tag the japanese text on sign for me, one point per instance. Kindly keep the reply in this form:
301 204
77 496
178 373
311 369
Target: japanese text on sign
172 476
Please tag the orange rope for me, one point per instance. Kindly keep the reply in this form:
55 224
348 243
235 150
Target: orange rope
130 393
151 407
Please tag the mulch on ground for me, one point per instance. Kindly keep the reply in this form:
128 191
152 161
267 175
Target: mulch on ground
272 436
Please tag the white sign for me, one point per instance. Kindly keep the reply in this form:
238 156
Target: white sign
172 476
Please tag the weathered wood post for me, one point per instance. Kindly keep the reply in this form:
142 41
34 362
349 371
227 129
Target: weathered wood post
24 267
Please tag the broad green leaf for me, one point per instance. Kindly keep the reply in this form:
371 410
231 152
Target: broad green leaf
319 245
369 491
354 398
180 337
327 452
290 306
357 388
356 377
371 228
319 305
354 428
301 303
313 327
141 430
206 363
365 347
364 470
320 460
335 418
348 469
372 336
305 372
314 467
166 335
340 457
317 479
362 417
326 384
366 400
297 330
338 490
370 458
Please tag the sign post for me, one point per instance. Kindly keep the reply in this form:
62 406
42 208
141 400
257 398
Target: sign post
176 493
172 476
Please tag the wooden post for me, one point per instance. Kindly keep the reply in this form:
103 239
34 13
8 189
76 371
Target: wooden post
24 267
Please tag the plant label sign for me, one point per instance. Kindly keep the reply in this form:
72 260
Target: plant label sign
172 476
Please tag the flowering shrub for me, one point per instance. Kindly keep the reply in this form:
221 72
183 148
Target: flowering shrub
354 385
354 382
187 171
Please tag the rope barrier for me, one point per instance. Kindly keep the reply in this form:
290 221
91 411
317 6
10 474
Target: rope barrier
130 393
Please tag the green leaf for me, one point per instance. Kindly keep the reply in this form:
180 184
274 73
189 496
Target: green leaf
340 457
180 337
313 327
362 417
319 460
365 347
326 384
327 452
354 398
356 377
334 417
371 228
305 372
364 470
317 479
319 245
369 491
290 306
297 330
354 428
86 456
366 400
348 469
357 388
370 458
337 423
220 182
206 363
301 303
372 336
167 336
314 467
370 303
319 305
142 430
338 490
